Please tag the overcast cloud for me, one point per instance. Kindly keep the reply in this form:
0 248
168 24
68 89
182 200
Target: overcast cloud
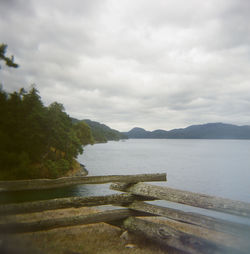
156 64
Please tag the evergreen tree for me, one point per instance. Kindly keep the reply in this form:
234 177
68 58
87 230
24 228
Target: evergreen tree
83 133
37 141
9 61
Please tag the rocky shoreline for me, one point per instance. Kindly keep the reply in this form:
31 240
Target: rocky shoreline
78 170
83 171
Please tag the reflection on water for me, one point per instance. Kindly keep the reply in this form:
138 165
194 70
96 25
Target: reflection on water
94 190
71 191
32 195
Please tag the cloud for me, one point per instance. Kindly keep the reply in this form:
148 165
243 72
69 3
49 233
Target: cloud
155 64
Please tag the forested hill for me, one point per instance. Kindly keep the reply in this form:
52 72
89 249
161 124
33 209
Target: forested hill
204 131
101 132
37 141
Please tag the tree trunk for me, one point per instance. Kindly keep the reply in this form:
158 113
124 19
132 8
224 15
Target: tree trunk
38 184
187 198
104 216
166 235
59 203
193 219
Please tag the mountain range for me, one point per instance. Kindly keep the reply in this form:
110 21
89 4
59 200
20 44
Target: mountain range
103 133
203 131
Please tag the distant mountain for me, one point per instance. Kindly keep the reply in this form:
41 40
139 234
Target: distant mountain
203 131
138 133
101 132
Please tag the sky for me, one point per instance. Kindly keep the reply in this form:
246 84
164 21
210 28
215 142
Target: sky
155 64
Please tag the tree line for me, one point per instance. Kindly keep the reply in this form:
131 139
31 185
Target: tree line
37 141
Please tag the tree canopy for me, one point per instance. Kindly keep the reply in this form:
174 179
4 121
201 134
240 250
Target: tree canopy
9 61
101 132
37 141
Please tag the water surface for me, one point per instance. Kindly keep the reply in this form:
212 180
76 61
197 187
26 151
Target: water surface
214 167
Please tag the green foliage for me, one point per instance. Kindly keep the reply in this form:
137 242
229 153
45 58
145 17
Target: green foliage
9 61
56 167
37 141
103 133
83 133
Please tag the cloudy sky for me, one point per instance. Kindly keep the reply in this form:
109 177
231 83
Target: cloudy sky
156 64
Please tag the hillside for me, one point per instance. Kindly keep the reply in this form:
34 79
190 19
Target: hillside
203 131
37 141
101 132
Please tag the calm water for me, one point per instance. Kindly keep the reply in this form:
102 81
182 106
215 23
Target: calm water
215 167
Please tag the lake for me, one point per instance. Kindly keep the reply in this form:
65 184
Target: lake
214 167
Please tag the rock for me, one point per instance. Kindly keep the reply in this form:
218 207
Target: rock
71 252
125 236
130 246
84 171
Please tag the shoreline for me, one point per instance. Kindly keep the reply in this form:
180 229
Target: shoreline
77 170
84 170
